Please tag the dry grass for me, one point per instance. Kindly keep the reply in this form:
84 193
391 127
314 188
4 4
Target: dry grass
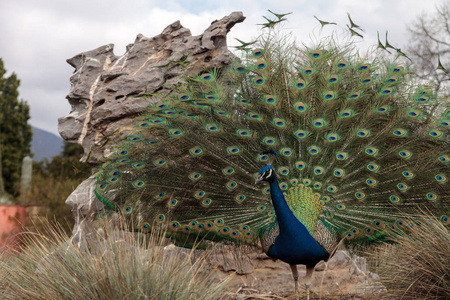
417 266
51 267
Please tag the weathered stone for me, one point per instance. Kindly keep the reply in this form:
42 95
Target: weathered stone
104 86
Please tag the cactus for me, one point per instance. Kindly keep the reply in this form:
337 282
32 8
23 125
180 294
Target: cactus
25 180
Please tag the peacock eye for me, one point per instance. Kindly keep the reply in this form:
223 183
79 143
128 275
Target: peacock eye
267 173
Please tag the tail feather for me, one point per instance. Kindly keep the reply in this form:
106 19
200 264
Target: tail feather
363 134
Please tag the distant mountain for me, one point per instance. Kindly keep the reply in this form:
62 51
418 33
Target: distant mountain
45 144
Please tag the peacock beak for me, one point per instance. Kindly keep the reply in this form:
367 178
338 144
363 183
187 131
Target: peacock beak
259 178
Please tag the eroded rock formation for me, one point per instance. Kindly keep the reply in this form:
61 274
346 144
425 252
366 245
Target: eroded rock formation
104 86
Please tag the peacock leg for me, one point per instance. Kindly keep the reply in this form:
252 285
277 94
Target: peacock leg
295 275
309 272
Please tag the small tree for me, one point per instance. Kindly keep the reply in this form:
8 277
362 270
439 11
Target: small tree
15 132
430 37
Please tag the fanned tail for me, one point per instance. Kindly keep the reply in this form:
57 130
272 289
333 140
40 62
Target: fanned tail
368 140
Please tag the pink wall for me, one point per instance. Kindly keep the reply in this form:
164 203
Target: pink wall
11 220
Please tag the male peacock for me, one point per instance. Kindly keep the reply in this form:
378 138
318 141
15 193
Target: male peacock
349 147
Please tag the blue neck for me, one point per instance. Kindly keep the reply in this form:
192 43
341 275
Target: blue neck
287 222
294 244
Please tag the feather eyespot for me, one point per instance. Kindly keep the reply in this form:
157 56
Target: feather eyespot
402 186
364 67
257 52
363 133
231 185
408 174
301 134
332 189
228 171
219 222
444 158
280 123
195 151
436 134
313 150
199 194
159 162
338 172
372 151
387 91
333 79
432 196
308 71
346 113
259 80
300 165
422 99
172 203
319 123
371 182
318 171
316 54
373 167
329 96
145 227
270 99
138 184
283 171
441 178
300 107
195 176
300 84
266 191
383 109
342 64
360 195
306 181
233 150
240 68
206 202
261 64
240 198
341 155
394 199
269 140
175 225
207 77
354 96
254 116
286 152
184 97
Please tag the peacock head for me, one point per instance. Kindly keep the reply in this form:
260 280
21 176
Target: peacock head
266 173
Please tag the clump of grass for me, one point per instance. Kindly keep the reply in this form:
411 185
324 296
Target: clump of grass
124 267
417 265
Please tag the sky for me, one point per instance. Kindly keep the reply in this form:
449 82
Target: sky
36 37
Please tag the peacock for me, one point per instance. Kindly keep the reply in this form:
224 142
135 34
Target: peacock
293 148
